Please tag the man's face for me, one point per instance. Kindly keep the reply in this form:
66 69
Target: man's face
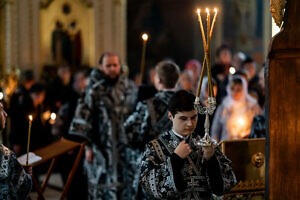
184 123
38 98
111 66
225 56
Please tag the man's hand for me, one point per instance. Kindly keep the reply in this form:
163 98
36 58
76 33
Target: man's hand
208 151
28 170
183 149
89 155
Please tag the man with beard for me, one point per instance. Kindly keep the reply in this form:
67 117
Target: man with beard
99 117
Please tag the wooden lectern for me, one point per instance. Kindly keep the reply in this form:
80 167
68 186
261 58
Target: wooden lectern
52 152
248 162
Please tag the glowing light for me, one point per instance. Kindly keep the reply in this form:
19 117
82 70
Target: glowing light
232 70
198 11
1 95
241 121
53 116
30 118
145 36
216 10
207 10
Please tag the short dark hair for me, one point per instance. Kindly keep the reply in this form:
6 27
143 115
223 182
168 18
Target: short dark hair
37 88
108 54
222 48
247 60
27 75
236 80
181 100
168 72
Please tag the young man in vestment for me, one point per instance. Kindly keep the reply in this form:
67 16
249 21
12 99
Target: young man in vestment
173 166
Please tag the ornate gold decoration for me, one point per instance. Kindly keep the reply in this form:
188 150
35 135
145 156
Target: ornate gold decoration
258 159
277 10
258 184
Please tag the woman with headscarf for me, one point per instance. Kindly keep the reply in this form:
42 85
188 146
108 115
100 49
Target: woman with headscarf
234 116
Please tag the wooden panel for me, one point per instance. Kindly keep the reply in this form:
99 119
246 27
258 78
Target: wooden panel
284 122
283 92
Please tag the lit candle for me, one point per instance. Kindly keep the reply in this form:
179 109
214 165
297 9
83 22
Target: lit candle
52 118
201 27
145 39
29 133
213 22
208 26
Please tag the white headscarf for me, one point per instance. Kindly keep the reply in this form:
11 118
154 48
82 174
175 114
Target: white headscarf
229 101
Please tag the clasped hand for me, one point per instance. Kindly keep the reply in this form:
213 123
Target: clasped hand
183 150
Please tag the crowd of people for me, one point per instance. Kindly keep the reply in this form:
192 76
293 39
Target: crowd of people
138 136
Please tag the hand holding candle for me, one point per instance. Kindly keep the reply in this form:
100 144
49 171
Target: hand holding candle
29 133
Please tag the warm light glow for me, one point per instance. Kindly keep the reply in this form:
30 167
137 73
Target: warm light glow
275 28
30 117
1 95
53 116
241 121
198 11
232 70
145 37
207 10
216 10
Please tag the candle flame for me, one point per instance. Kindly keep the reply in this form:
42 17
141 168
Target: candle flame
145 36
216 10
207 10
1 95
198 11
241 121
232 70
53 116
30 117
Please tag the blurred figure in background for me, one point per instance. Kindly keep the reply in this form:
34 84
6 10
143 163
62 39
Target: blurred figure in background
150 116
234 116
21 95
249 66
40 132
60 90
220 70
67 110
194 67
238 59
186 81
61 129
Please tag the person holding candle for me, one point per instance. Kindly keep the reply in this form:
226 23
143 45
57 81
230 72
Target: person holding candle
15 181
173 167
234 116
40 132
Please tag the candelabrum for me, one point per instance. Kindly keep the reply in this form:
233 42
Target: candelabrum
205 110
210 106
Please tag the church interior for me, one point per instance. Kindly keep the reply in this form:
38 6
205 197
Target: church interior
54 45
